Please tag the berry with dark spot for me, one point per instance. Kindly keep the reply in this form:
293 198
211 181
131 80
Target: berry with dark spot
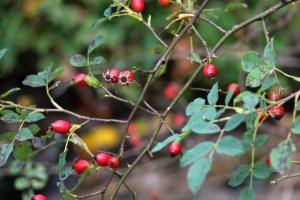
174 148
210 71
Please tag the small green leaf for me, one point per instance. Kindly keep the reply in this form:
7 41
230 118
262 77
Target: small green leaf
34 116
197 173
229 96
78 60
252 60
247 194
22 183
161 70
250 102
230 146
260 140
195 153
107 12
34 81
281 156
5 151
296 126
38 184
164 143
234 122
97 60
239 176
9 92
210 113
202 127
235 5
8 136
22 150
267 83
262 170
53 75
269 53
96 43
241 96
194 106
61 161
98 22
255 77
65 173
2 52
24 134
194 57
34 128
213 94
11 117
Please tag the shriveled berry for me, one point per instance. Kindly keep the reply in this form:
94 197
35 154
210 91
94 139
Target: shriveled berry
126 77
80 165
210 71
268 161
39 197
102 159
138 5
275 97
61 126
175 148
164 3
113 162
235 87
276 112
171 91
111 76
79 80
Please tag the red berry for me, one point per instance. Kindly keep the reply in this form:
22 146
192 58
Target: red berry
275 97
113 162
102 159
39 197
276 112
126 77
135 140
262 116
61 126
132 128
210 71
80 165
171 91
179 120
111 75
235 87
174 148
268 161
138 5
79 80
164 3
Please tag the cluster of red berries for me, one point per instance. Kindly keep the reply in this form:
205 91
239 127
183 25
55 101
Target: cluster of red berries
139 5
124 78
276 112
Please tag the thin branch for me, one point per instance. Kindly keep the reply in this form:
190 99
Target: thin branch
265 30
213 24
203 41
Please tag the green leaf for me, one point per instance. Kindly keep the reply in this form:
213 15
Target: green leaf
107 12
9 136
161 70
22 150
164 143
235 5
9 92
5 151
210 113
78 60
252 60
34 128
22 183
255 77
269 53
98 22
195 153
281 156
11 117
61 161
296 126
230 146
241 96
247 194
201 127
2 52
194 106
250 102
262 170
220 112
228 97
38 184
53 75
213 94
267 83
197 173
65 173
24 134
194 57
97 60
234 122
34 81
34 116
239 176
260 140
96 43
